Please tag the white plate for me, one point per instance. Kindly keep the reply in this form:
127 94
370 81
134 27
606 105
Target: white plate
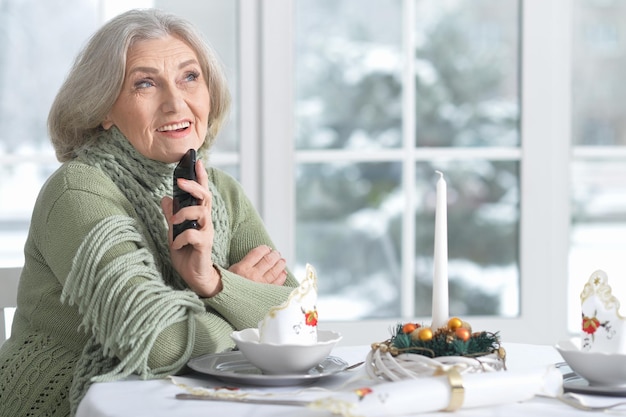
234 367
600 369
577 384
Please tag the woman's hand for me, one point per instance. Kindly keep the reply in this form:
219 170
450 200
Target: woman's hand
191 250
262 264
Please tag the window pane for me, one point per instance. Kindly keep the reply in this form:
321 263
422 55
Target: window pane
348 74
349 229
598 66
39 40
483 236
466 72
598 231
598 206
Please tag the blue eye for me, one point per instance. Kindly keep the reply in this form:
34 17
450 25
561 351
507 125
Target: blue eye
192 76
144 84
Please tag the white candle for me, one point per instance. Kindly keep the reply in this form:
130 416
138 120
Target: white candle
440 276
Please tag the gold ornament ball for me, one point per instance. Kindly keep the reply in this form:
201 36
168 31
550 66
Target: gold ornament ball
415 334
425 334
454 323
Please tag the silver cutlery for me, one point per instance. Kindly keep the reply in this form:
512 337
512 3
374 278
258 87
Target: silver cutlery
297 403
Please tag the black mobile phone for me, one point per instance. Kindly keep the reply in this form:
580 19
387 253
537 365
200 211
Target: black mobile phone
186 169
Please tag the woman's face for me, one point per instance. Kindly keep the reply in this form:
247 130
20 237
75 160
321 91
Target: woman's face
163 108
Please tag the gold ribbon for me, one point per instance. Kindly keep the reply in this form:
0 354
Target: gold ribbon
457 391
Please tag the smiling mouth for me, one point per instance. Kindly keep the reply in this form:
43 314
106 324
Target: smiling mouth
175 127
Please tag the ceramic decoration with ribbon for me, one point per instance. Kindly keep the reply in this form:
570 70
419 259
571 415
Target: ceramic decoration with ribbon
602 325
294 321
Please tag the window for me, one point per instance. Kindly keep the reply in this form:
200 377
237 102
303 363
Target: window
365 181
344 109
380 100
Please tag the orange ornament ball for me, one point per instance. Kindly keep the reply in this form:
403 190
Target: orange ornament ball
425 334
463 334
455 323
409 327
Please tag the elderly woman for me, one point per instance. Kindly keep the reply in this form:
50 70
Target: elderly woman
105 291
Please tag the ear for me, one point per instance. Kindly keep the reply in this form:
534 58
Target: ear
107 123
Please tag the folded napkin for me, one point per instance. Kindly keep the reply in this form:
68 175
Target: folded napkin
294 321
367 398
603 327
444 393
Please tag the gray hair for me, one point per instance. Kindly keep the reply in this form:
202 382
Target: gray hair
95 80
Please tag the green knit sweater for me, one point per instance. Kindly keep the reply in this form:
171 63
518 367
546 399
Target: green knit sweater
39 362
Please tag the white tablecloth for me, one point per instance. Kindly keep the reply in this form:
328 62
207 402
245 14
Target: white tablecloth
157 398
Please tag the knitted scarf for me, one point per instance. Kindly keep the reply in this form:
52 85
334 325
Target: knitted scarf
127 303
145 182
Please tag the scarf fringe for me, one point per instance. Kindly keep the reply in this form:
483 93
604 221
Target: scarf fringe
125 305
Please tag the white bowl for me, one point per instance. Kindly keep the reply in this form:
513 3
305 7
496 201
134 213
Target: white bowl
287 358
599 369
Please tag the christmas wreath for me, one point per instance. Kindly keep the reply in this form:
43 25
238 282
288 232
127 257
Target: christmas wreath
415 350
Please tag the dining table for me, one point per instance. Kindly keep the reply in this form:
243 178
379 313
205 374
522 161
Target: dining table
158 397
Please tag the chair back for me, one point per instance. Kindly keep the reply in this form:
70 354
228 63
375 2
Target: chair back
9 278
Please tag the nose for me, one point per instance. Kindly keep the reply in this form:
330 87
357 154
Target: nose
172 99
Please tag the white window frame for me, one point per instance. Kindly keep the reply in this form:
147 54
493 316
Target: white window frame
545 129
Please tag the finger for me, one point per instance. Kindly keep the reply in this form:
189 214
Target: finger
201 213
189 238
282 277
277 274
201 174
198 191
167 205
197 237
200 236
268 261
256 255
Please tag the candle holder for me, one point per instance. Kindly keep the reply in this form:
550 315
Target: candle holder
416 351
